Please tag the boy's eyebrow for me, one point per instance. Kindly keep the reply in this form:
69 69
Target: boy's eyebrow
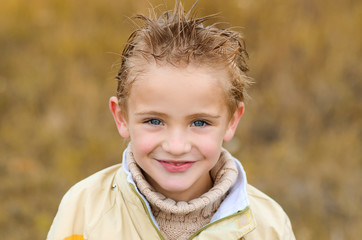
203 115
192 116
151 113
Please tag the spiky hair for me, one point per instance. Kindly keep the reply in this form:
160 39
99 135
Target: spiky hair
179 38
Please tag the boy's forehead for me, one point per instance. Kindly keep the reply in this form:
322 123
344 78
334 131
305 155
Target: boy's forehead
184 87
158 77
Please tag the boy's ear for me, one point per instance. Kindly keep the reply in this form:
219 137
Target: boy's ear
118 117
234 121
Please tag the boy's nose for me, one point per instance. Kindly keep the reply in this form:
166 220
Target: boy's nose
176 144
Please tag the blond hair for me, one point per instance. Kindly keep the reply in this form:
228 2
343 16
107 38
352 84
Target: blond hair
178 38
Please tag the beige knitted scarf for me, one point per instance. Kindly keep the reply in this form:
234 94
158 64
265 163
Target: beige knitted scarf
179 220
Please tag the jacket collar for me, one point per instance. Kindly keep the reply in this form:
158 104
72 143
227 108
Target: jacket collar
234 215
236 201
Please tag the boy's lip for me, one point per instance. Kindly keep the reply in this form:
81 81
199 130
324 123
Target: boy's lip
176 166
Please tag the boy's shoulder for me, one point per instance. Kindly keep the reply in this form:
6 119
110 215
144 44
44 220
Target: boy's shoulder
93 190
99 180
269 215
257 195
84 204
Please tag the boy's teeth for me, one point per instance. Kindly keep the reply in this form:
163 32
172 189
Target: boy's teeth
176 163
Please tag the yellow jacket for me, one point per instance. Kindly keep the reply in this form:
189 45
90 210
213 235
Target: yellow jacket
108 206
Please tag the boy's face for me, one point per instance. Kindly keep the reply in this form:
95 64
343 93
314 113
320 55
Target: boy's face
177 119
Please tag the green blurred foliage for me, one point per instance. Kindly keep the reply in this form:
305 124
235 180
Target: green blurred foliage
300 140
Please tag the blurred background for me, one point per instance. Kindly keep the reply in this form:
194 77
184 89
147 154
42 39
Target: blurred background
300 139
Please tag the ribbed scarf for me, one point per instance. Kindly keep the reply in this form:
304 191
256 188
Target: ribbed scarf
179 220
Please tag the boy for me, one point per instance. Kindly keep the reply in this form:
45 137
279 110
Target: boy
180 94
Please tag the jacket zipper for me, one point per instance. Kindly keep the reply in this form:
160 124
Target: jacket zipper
217 221
148 214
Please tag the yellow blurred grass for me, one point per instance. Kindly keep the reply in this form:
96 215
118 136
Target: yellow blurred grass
300 140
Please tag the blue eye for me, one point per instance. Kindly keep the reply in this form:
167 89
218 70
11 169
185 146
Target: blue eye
154 122
199 123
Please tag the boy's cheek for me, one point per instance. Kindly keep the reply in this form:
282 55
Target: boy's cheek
209 144
210 148
143 143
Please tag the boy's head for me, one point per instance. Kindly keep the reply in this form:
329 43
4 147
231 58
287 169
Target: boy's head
179 39
180 95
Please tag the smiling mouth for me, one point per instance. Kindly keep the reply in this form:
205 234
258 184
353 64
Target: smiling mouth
176 166
175 163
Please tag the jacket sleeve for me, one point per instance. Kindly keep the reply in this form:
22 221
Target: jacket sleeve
68 223
84 206
288 233
271 220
